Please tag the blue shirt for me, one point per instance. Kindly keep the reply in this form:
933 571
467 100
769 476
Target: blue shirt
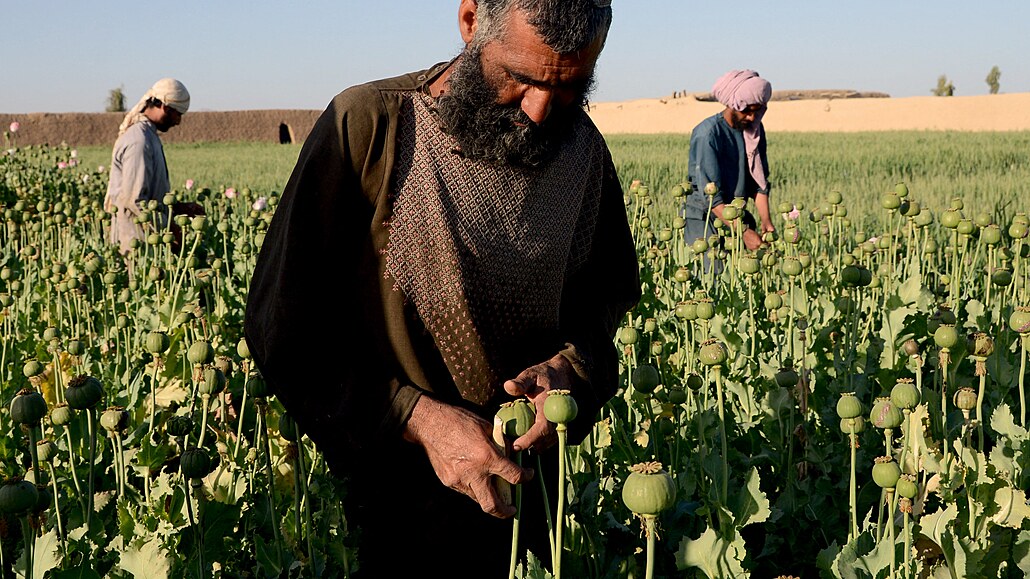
717 155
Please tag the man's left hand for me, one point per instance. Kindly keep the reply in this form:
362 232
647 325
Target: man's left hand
535 383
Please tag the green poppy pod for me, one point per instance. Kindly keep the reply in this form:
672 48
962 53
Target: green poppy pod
645 378
886 472
686 310
648 489
61 414
946 336
51 333
682 274
83 392
242 349
677 395
167 238
966 226
46 450
288 428
705 309
911 208
923 219
749 265
835 198
854 425
907 486
628 335
792 266
114 419
213 382
1001 277
560 407
901 189
677 190
201 352
6 300
28 407
845 305
965 398
179 425
645 222
1019 320
76 347
806 259
885 414
849 406
1018 230
694 381
699 246
905 395
224 363
664 234
158 342
890 201
850 276
729 213
840 211
770 259
712 353
982 219
773 301
711 189
860 237
195 463
257 387
786 377
517 417
32 368
17 496
951 218
991 234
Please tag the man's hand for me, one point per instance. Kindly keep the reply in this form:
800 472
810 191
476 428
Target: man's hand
534 383
462 452
752 240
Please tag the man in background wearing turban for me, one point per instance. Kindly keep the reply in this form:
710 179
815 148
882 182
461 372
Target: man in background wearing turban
728 150
139 173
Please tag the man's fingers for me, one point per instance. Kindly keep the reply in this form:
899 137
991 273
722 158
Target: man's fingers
515 387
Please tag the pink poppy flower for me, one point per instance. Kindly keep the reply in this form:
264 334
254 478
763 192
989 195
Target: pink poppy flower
794 213
15 126
189 184
230 193
73 162
260 204
62 165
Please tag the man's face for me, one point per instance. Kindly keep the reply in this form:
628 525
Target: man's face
167 118
513 99
746 118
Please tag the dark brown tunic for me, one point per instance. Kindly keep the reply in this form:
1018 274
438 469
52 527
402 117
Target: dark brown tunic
394 268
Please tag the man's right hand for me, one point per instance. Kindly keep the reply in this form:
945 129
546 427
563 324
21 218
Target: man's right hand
461 450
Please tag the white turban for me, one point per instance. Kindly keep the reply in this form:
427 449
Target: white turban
167 90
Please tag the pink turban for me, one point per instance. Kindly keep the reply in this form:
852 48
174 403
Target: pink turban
739 89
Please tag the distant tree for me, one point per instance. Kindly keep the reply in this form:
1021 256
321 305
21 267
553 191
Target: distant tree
993 79
116 101
944 87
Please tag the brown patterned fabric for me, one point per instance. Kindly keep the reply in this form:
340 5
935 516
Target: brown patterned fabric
482 251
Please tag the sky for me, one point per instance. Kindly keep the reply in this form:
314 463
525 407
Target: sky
64 56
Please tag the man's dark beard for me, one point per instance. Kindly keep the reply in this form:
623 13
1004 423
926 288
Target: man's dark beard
487 131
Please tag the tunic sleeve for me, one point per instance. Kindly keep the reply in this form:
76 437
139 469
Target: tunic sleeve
595 302
308 322
134 174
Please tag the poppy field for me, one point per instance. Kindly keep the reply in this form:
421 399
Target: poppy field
850 401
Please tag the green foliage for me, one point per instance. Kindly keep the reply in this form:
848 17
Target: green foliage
944 87
994 79
115 101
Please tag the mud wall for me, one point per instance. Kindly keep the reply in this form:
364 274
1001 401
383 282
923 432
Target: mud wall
81 129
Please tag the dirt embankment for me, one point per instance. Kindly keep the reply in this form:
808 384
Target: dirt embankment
790 111
80 129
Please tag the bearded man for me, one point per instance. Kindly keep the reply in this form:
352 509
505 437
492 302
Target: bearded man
450 240
728 151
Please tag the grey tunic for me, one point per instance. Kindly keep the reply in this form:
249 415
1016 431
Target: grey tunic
138 174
